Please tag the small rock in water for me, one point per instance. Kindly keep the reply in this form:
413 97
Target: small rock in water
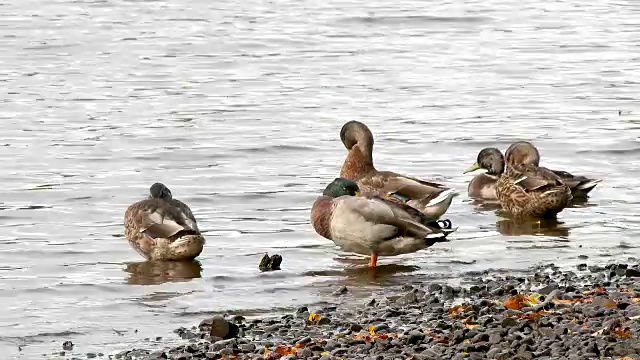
270 263
222 328
582 267
632 273
343 290
67 345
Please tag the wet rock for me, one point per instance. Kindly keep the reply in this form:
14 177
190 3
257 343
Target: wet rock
415 337
546 290
343 290
632 273
270 263
509 322
582 267
302 310
408 298
222 328
67 346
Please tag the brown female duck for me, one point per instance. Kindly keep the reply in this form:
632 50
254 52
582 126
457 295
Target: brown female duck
370 225
525 153
524 190
432 199
483 186
162 228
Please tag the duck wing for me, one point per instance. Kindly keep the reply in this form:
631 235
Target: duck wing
188 217
532 178
576 182
377 211
160 219
419 194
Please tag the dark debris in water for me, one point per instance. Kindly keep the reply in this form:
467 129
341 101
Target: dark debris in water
546 313
67 346
270 263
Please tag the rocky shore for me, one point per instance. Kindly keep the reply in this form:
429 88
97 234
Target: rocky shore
589 313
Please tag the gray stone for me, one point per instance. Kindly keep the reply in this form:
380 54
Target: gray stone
509 322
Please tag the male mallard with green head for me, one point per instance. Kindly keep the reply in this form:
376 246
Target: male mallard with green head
370 225
162 228
483 186
430 198
524 190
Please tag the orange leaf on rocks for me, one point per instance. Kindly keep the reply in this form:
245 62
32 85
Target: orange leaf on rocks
597 291
635 300
514 302
622 333
561 301
456 310
286 350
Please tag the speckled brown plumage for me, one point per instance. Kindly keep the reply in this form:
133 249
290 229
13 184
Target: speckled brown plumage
163 229
528 191
525 153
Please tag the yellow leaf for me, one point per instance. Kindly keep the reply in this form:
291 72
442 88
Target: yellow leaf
266 350
635 300
313 317
324 353
340 335
533 299
470 326
635 317
372 330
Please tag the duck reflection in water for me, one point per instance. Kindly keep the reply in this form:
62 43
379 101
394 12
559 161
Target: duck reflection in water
354 273
160 272
545 227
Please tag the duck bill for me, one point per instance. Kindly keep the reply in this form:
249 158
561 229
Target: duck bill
473 167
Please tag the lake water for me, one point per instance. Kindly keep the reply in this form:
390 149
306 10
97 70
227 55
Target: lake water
237 108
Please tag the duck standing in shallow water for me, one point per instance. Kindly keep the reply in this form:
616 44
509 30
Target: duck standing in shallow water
524 190
430 198
162 228
370 225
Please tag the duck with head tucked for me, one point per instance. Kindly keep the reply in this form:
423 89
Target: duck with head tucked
370 225
483 186
524 190
162 228
432 199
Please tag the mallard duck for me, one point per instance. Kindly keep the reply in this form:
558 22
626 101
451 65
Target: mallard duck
370 225
432 199
524 190
483 186
162 228
524 152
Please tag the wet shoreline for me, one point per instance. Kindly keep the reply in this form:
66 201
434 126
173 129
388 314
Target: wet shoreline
589 312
